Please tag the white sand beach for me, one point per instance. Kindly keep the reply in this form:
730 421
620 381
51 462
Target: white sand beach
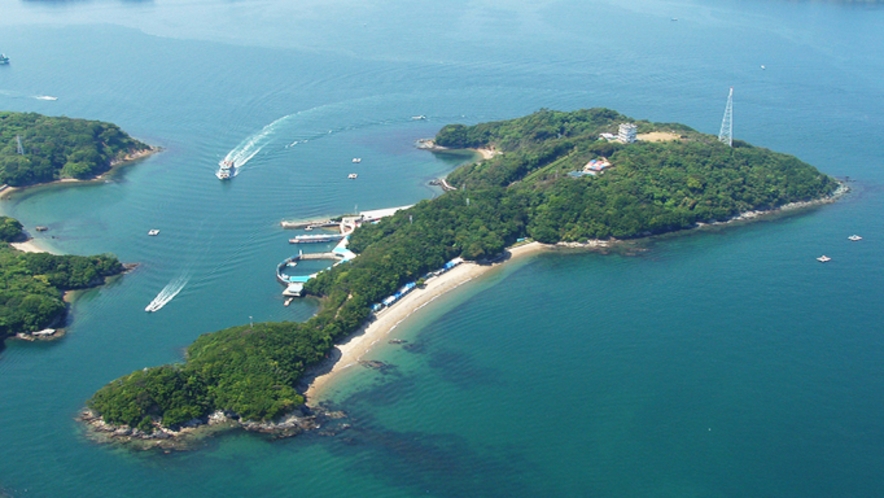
30 245
355 348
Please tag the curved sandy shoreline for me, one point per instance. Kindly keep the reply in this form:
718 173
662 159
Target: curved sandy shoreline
349 353
31 245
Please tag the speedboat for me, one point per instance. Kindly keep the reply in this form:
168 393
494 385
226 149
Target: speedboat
352 176
357 160
854 237
824 259
153 232
226 171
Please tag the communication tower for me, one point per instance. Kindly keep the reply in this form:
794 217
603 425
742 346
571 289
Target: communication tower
726 135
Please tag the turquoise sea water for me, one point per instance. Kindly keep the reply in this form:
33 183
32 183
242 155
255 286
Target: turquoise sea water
724 363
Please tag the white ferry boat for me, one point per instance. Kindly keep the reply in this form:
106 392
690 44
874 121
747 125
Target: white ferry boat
226 171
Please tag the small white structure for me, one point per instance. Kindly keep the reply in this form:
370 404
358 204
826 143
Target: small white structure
607 136
627 133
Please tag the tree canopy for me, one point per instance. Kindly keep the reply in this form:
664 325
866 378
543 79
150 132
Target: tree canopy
58 147
32 286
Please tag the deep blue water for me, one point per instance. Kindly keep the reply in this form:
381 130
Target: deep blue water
723 363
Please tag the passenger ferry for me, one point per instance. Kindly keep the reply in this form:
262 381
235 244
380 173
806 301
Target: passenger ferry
315 239
226 171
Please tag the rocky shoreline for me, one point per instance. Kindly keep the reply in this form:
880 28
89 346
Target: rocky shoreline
322 421
8 191
602 245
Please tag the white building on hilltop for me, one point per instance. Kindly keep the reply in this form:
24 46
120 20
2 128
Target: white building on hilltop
627 133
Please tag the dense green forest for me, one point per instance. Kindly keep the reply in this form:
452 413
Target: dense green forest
58 147
523 192
32 284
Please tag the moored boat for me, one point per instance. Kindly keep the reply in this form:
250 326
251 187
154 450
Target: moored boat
314 239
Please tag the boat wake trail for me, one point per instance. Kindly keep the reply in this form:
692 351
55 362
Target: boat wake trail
252 145
168 293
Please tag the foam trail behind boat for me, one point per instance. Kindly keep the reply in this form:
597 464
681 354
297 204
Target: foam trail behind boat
168 293
252 145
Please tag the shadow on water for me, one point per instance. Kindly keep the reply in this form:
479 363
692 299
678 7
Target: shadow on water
434 464
462 370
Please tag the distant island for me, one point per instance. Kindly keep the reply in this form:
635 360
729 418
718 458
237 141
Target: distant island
32 285
37 149
586 177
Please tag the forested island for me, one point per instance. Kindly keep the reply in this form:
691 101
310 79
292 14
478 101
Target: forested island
32 285
41 149
528 189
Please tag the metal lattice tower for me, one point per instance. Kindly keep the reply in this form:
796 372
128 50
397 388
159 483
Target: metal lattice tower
21 149
726 135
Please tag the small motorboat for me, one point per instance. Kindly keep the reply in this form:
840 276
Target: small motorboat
854 237
357 160
352 176
824 259
153 232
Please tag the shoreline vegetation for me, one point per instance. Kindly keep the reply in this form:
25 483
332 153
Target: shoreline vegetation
39 150
523 187
36 284
353 350
128 159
